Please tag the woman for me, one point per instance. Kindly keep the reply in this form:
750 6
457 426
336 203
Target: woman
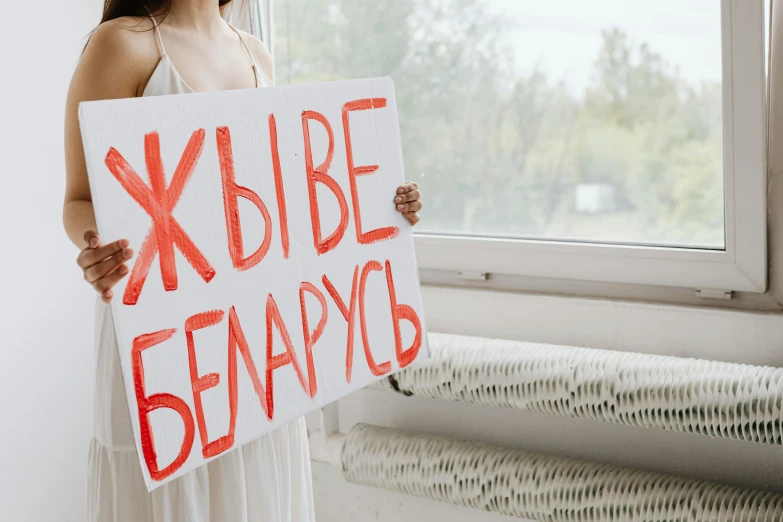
132 53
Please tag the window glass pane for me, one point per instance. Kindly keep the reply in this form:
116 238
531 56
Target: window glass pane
593 120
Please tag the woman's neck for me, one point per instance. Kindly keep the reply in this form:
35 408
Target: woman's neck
203 16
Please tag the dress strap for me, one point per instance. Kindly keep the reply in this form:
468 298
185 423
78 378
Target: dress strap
161 48
247 52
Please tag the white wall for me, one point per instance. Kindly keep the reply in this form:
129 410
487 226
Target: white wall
46 359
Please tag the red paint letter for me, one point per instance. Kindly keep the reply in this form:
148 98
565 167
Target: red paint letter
236 338
159 202
231 193
146 405
379 234
311 338
320 174
349 313
279 191
403 311
376 369
203 383
273 362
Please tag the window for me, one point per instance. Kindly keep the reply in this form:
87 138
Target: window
252 17
593 140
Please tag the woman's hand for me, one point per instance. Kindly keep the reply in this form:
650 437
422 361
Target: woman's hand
408 201
104 265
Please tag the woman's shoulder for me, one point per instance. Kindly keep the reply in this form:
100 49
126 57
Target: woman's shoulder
118 58
261 54
125 38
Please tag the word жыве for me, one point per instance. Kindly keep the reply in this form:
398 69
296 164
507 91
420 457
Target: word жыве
159 201
166 234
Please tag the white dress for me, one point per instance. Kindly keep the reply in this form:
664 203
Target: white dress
267 480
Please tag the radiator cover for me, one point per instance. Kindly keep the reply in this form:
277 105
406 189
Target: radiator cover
718 399
540 487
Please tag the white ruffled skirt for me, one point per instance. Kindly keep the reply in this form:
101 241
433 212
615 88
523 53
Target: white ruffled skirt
267 480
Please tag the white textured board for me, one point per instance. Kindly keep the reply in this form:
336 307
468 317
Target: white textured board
279 276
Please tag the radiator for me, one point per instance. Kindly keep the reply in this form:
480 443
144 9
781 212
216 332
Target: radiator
540 487
719 399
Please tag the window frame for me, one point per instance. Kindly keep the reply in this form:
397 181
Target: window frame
255 17
741 266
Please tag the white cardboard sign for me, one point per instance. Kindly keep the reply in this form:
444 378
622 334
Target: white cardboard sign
272 273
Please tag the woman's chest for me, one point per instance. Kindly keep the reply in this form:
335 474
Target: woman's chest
212 68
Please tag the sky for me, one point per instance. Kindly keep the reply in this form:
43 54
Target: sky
563 37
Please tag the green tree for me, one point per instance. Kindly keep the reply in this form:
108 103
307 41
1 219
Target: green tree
501 151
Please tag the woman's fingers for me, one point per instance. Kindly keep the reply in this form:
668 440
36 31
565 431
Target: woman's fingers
104 265
92 239
91 256
104 285
408 201
413 206
103 268
413 195
407 187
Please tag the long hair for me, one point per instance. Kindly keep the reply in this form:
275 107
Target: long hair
160 8
118 8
